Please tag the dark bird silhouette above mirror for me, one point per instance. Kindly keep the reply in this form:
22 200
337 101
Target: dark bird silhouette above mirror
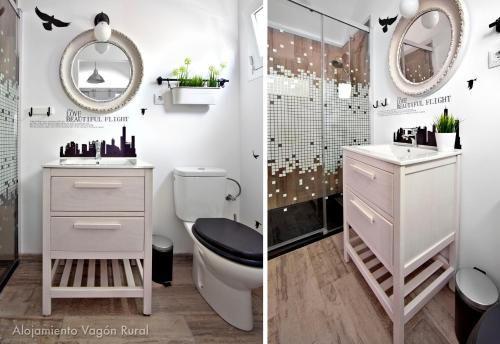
49 20
470 83
386 22
256 156
496 25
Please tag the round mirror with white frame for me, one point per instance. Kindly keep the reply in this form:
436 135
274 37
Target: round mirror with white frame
426 49
101 76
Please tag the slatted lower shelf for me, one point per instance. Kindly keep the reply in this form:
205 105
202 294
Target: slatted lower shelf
434 273
97 278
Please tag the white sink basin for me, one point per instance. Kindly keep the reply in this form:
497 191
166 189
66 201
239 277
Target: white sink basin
400 154
101 162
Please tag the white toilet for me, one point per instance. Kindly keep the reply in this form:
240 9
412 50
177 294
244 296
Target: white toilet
227 257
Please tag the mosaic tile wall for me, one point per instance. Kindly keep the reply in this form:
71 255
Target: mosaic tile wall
9 96
305 137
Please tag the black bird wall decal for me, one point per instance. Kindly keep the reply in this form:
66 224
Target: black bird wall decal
256 156
386 22
49 20
470 83
257 224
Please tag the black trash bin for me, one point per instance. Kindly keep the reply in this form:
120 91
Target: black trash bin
487 330
474 294
163 259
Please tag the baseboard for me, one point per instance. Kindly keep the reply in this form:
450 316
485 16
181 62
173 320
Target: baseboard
32 257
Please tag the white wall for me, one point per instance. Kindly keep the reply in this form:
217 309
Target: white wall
251 121
165 32
478 109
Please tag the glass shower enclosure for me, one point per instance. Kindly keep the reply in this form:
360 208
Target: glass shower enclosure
318 82
9 98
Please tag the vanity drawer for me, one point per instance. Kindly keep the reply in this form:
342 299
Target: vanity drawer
374 184
97 194
97 234
374 230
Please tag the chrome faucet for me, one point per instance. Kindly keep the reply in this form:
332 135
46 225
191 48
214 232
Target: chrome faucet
411 133
97 145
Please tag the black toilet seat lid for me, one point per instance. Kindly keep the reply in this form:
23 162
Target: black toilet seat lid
230 239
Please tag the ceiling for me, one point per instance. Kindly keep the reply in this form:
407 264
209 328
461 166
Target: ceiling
292 18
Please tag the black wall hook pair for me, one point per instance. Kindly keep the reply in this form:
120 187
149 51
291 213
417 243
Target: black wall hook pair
384 103
30 113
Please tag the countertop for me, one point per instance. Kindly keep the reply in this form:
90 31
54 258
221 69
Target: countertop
401 155
138 165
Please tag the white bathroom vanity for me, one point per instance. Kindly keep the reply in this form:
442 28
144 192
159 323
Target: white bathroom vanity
401 223
97 230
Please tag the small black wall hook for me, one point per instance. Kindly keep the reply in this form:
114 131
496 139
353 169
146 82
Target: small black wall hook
375 105
384 103
31 112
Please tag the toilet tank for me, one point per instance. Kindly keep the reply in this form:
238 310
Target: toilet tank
199 192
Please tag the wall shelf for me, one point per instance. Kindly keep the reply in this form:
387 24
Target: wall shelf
182 95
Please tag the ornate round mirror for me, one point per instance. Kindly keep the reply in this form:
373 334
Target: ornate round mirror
101 76
426 49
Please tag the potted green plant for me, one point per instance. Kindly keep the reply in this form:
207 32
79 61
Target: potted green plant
195 89
446 127
213 75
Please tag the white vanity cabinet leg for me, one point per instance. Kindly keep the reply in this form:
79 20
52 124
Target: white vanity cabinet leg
46 262
398 304
453 248
148 221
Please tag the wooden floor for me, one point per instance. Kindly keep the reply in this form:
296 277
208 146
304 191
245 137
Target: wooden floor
180 314
314 297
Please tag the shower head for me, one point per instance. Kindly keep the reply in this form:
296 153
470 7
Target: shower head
337 64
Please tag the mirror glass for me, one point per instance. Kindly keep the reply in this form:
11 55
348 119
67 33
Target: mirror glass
101 71
425 47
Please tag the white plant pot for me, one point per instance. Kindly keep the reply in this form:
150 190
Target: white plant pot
445 142
194 95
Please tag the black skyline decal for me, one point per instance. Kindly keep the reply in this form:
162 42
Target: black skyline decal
126 149
386 22
49 20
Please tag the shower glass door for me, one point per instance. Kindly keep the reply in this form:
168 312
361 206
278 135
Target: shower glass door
317 102
346 110
295 123
9 91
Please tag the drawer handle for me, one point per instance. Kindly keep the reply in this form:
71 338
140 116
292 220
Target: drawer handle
364 172
97 185
96 225
363 211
